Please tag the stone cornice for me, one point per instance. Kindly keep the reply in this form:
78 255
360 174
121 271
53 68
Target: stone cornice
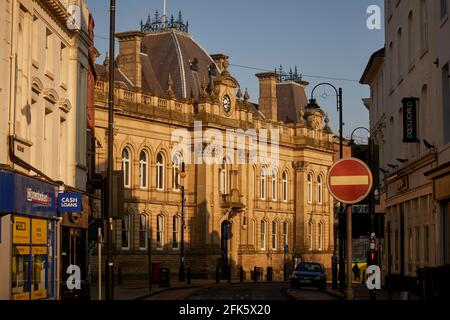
57 9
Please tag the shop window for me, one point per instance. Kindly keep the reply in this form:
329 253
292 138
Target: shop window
32 262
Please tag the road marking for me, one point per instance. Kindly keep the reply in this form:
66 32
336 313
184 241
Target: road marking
349 180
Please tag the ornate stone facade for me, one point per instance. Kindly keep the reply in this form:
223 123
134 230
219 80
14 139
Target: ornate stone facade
266 209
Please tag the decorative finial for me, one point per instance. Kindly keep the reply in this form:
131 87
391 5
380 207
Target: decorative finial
246 95
327 128
239 94
302 118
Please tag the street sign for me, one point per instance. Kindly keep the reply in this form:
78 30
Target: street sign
349 181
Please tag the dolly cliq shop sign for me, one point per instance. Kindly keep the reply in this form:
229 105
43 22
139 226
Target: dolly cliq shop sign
410 120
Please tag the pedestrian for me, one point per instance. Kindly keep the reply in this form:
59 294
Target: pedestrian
356 272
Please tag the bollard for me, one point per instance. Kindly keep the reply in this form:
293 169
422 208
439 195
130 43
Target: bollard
241 274
269 274
255 274
217 275
188 275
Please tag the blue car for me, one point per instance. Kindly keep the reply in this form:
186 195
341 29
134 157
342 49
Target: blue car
308 274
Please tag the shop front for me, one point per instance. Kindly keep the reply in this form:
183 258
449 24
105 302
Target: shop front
28 238
74 208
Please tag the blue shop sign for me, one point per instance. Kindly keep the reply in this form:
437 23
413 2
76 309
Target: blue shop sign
24 195
69 202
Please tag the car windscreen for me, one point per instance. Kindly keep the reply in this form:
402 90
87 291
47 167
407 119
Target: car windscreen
309 267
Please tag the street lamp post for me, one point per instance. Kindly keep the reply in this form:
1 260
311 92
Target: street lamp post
372 191
181 273
109 269
372 168
339 102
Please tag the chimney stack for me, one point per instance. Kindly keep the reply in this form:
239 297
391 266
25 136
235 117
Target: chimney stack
130 56
268 95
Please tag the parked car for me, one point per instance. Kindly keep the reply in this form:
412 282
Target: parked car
309 274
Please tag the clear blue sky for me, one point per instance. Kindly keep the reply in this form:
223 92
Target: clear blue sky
322 37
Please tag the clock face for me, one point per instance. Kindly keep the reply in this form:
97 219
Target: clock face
226 104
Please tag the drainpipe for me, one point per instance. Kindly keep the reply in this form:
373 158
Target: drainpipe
12 78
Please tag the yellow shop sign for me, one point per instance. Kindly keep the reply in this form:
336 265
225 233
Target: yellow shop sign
39 231
21 230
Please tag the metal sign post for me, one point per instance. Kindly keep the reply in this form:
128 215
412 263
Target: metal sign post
349 181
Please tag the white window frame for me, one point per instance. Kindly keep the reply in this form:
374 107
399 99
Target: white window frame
310 188
285 186
223 180
263 235
274 235
319 189
160 224
310 235
176 167
286 232
143 170
176 232
125 228
143 230
126 167
160 171
274 185
320 236
262 184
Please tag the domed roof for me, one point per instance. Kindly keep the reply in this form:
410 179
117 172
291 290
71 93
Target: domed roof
175 53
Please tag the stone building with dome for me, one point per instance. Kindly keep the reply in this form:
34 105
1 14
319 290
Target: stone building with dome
236 215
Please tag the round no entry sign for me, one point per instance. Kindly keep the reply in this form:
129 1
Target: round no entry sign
349 181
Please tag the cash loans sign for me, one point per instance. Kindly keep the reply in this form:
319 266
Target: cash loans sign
69 202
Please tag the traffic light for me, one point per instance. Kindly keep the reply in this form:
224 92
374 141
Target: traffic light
372 258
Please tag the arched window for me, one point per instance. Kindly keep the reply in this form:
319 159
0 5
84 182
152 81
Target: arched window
285 186
160 172
263 235
223 177
125 231
286 233
254 232
320 236
262 185
309 188
143 231
274 184
160 232
310 235
176 229
274 235
176 168
143 170
319 189
126 167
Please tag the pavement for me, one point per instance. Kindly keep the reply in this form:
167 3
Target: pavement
139 289
209 289
361 292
